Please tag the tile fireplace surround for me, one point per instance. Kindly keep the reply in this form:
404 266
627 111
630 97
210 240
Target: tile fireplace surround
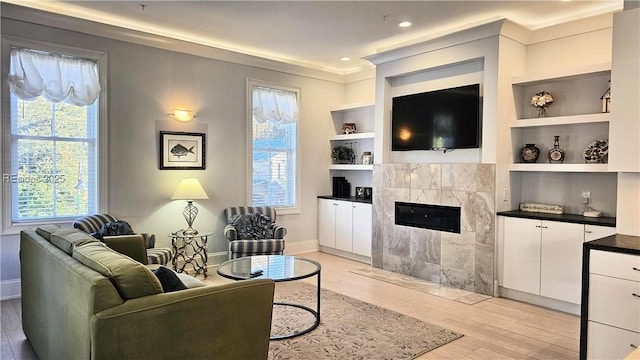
464 260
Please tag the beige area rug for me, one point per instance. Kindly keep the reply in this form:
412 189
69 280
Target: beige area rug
459 295
349 328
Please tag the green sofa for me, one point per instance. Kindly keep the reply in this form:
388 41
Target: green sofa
83 300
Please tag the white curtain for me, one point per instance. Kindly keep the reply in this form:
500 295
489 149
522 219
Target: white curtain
274 105
56 77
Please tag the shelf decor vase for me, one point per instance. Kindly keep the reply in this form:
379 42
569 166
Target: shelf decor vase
540 101
529 153
556 155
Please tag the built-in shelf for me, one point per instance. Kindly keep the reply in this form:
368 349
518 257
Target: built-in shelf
367 135
352 106
574 73
350 167
562 120
585 168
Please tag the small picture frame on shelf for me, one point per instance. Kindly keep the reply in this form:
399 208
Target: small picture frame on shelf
348 128
368 193
359 192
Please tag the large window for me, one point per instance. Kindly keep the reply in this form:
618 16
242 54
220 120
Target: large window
53 137
273 148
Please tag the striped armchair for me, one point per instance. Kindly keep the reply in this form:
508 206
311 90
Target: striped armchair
239 247
150 254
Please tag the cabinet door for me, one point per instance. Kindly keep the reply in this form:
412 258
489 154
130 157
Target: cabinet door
561 261
362 229
608 342
593 232
521 264
327 223
344 222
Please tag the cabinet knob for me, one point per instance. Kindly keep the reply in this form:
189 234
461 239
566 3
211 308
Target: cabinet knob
588 231
538 226
636 295
544 227
635 268
633 346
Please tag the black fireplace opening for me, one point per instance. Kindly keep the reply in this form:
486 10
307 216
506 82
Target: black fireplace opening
434 217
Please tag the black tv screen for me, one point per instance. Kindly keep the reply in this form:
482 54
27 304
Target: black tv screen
442 119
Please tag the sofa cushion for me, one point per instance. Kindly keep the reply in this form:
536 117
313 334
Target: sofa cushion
67 239
253 226
46 230
131 278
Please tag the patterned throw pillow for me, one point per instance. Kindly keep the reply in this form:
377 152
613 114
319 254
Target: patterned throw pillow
253 226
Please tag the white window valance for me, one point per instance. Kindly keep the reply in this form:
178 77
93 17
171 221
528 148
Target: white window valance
56 77
274 105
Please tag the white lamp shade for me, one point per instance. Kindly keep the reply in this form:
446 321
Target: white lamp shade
189 189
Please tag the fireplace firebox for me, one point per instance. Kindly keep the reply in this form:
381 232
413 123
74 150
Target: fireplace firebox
434 217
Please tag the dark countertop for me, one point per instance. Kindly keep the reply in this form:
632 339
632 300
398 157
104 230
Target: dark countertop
626 244
350 198
570 218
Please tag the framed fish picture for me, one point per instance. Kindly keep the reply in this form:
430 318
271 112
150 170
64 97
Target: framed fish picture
182 151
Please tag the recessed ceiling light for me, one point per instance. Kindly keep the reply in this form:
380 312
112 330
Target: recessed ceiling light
345 58
405 24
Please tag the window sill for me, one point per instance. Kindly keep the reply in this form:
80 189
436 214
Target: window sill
15 228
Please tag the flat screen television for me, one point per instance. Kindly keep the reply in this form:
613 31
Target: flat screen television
436 120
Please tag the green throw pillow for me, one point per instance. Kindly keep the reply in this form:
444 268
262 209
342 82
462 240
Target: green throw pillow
131 278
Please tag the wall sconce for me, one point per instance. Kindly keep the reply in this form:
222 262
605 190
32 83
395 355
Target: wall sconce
183 115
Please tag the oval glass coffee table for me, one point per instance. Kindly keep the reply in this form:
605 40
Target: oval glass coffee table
279 268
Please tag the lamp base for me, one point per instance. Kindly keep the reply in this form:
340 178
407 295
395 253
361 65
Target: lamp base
190 231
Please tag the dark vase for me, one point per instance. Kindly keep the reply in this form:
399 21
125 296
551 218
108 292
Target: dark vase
556 155
529 153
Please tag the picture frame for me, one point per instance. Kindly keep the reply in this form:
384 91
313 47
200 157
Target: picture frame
182 150
359 192
368 193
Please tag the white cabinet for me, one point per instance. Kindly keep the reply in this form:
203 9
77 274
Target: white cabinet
614 305
345 225
362 228
592 232
521 255
561 260
544 257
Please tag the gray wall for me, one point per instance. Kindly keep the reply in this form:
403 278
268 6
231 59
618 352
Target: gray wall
144 84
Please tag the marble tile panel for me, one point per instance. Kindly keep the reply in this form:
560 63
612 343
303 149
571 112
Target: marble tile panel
484 259
377 176
486 178
459 279
397 175
485 218
422 196
425 245
458 251
389 198
426 176
466 201
484 284
398 241
397 264
425 270
461 177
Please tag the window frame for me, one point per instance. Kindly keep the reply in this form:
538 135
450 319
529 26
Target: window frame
8 226
249 145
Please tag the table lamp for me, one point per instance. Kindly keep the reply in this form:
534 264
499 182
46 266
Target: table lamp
190 189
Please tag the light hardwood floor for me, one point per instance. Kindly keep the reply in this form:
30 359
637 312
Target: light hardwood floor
493 329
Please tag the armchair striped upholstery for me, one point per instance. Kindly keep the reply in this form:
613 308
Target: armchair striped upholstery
248 247
93 223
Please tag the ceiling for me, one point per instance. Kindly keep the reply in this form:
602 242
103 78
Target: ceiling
316 34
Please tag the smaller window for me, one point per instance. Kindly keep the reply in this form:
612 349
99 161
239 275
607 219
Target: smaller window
273 148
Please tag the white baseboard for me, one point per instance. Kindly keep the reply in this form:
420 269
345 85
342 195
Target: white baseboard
540 301
10 289
301 247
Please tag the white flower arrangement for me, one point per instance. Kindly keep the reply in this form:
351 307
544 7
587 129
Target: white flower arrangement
541 101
